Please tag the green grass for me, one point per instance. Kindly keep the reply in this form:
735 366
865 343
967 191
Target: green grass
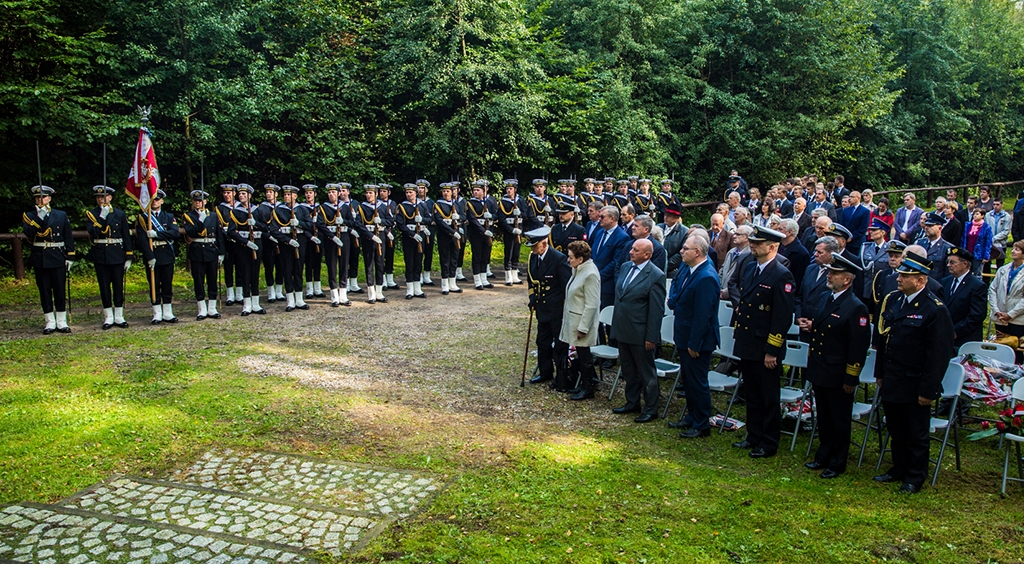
530 477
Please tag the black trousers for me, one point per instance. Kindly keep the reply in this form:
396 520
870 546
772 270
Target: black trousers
695 382
111 281
447 252
637 365
512 248
353 256
248 265
291 259
389 255
481 253
333 256
373 261
461 252
160 282
271 273
908 425
413 259
229 265
428 253
550 350
204 272
313 260
834 408
50 282
764 416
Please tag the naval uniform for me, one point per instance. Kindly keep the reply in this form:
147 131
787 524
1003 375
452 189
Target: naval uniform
389 249
512 216
479 222
284 232
314 256
662 202
409 221
761 320
351 276
840 337
562 234
166 227
460 209
548 274
914 340
205 242
644 204
111 239
369 224
428 242
447 244
273 273
330 224
541 212
52 245
223 212
247 260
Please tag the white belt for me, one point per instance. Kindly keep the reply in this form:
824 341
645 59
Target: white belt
510 220
160 243
49 245
205 240
343 229
107 242
447 221
286 230
298 231
244 234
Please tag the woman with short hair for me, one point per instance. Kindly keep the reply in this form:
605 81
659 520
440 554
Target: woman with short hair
580 316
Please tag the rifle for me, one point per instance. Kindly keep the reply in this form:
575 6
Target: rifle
515 225
248 208
292 230
152 271
455 226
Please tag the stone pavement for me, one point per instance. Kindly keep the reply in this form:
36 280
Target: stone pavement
230 507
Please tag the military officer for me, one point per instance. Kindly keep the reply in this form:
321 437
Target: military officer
245 232
385 201
448 238
936 247
913 320
422 186
289 225
885 278
873 257
111 252
541 205
223 211
548 272
643 200
493 220
512 216
606 190
156 243
52 255
479 225
586 197
409 221
965 296
621 198
314 252
369 224
566 230
761 321
205 241
665 198
460 220
272 270
840 337
349 276
329 225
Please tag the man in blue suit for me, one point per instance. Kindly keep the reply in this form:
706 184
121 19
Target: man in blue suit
694 300
815 283
856 218
609 249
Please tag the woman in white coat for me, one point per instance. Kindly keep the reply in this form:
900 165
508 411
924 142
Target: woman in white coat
1006 294
580 316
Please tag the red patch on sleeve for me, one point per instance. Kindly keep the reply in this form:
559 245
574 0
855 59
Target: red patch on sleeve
788 288
863 321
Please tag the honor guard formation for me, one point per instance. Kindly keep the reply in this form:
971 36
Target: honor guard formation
805 265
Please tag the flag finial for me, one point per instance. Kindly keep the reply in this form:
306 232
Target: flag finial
144 113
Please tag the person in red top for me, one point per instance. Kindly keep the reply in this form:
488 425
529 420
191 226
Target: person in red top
883 213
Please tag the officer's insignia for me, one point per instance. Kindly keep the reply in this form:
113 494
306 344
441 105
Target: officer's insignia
863 321
788 288
938 302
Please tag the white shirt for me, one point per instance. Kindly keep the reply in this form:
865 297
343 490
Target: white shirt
635 270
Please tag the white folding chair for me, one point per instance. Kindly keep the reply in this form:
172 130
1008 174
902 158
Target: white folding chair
794 329
859 410
725 309
995 351
723 383
666 368
796 357
1018 395
605 352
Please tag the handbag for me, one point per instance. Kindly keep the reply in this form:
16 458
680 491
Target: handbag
1009 340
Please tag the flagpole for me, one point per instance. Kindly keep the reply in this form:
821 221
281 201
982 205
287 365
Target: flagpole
144 115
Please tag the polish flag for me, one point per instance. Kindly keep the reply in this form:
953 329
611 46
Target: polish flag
143 178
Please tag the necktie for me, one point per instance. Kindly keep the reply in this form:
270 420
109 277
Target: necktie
629 277
821 272
956 284
831 299
713 237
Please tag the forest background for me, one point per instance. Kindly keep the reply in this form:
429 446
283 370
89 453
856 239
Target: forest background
890 93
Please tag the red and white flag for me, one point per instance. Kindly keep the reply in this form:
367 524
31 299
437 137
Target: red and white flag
143 178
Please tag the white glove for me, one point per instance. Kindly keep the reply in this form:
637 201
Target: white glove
487 215
455 216
294 222
391 237
461 230
127 265
517 231
457 236
293 243
547 208
151 233
42 212
376 219
104 210
151 263
417 218
203 215
488 234
375 239
252 246
426 232
220 259
250 222
418 238
315 240
337 241
516 212
69 264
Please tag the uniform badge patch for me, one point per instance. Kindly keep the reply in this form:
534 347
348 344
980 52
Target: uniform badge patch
863 321
788 288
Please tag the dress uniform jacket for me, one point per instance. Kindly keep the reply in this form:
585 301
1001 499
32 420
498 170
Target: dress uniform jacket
204 237
166 227
475 210
620 200
873 259
264 215
914 344
111 237
330 223
562 235
548 277
885 284
443 217
765 312
507 220
541 212
967 308
662 201
936 254
50 238
840 337
644 204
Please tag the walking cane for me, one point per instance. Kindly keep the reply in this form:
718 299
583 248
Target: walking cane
526 353
67 279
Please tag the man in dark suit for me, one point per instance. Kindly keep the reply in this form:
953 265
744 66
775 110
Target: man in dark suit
839 191
820 201
935 246
907 218
642 227
965 297
819 228
840 336
801 215
547 273
721 240
609 249
761 321
674 232
793 250
914 340
814 285
694 300
856 218
594 219
636 325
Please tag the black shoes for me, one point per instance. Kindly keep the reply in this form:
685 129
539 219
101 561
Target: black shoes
885 479
539 378
582 395
259 311
49 331
814 465
678 425
67 329
408 296
646 418
908 489
743 444
695 434
760 453
829 474
626 409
